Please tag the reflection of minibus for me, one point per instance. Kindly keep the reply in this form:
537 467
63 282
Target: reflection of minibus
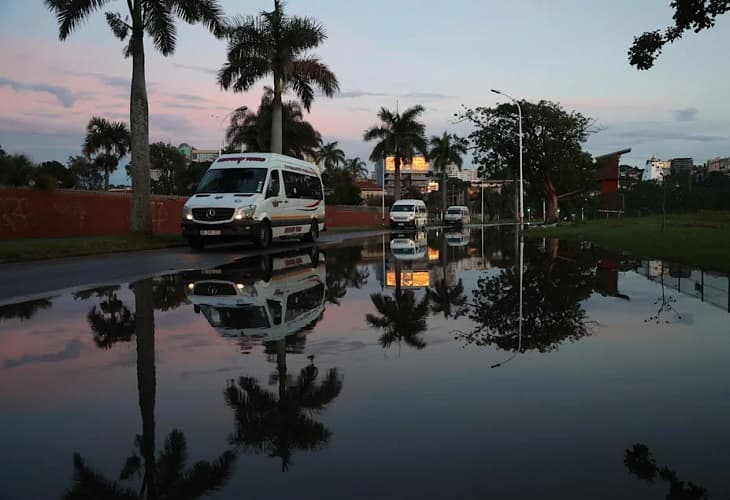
408 213
457 216
255 196
292 297
413 248
457 238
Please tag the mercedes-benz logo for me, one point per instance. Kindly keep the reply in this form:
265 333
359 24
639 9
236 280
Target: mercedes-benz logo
211 212
213 290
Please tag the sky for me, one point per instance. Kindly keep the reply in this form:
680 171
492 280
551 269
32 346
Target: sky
385 53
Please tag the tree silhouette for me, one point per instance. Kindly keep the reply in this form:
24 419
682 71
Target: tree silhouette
447 300
640 463
168 292
23 310
552 314
402 318
164 477
279 425
99 292
330 155
444 151
343 272
111 322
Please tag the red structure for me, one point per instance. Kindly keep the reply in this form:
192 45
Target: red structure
31 213
612 202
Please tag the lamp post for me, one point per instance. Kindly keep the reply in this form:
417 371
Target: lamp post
522 191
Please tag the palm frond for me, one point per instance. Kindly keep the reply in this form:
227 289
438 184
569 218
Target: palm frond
88 483
160 25
70 13
299 34
412 113
119 26
315 72
205 478
208 12
173 457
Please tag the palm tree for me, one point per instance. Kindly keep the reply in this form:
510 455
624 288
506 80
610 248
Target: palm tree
157 19
330 156
108 142
265 423
252 131
400 135
357 167
446 150
276 44
111 322
447 300
401 318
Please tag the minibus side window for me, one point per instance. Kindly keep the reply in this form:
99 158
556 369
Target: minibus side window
274 184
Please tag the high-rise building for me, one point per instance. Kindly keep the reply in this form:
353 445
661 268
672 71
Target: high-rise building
656 169
197 155
467 174
413 173
379 165
681 165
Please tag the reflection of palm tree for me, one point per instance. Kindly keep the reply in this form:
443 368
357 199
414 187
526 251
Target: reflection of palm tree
111 322
343 272
447 300
169 292
164 477
23 310
401 318
639 461
99 292
265 423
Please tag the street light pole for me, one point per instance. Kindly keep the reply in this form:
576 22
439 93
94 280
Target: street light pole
522 189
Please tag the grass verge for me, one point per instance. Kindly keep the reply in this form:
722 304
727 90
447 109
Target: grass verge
701 239
27 250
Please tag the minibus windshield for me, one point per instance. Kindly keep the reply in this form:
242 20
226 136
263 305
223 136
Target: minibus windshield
402 208
232 180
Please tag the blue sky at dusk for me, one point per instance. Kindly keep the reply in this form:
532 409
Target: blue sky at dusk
437 54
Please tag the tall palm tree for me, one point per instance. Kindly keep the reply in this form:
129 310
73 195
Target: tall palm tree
401 318
444 151
163 477
157 19
276 44
330 156
108 142
400 135
446 299
252 130
357 167
279 425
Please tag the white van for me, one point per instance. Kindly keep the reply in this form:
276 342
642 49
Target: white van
408 213
255 196
414 248
457 216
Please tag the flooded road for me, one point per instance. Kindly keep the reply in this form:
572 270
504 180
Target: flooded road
463 364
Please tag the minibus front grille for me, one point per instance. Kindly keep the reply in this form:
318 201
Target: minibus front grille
212 214
213 289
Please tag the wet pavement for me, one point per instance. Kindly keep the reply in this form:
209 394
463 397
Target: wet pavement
463 364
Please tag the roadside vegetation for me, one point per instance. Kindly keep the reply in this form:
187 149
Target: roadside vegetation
701 239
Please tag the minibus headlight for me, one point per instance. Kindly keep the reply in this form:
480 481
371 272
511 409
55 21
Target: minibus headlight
245 212
187 213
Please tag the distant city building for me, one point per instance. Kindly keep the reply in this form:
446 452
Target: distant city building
681 165
629 175
413 173
656 169
466 175
195 155
721 165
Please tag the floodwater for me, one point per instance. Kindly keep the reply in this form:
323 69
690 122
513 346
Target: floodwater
411 366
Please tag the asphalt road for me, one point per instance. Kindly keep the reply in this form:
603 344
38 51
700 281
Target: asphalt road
29 280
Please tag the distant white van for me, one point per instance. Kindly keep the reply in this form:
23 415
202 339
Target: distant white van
457 216
408 214
413 248
258 197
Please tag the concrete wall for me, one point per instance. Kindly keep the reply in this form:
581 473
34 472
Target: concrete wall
30 213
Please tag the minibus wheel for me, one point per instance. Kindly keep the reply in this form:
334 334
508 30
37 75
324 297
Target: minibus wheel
313 233
263 238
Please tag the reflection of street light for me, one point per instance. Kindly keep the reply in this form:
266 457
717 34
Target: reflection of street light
522 193
521 261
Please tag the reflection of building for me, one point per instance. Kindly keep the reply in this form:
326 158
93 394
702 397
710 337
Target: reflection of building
197 155
414 172
705 286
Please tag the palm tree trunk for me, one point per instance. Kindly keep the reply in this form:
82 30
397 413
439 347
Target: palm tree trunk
140 219
281 367
444 195
396 179
106 179
146 379
277 122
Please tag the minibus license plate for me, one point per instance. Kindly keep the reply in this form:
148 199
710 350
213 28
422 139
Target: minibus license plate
210 232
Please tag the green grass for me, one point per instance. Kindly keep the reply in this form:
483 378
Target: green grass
26 250
701 239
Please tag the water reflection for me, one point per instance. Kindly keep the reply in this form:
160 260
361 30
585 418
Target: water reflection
167 475
110 321
641 464
24 311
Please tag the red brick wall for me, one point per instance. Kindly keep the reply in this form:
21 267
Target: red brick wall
30 213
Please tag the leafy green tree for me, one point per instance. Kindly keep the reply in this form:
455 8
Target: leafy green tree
446 150
252 131
16 170
276 44
64 176
106 144
279 424
156 18
554 163
641 464
689 15
330 156
171 165
340 187
401 135
86 175
357 167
